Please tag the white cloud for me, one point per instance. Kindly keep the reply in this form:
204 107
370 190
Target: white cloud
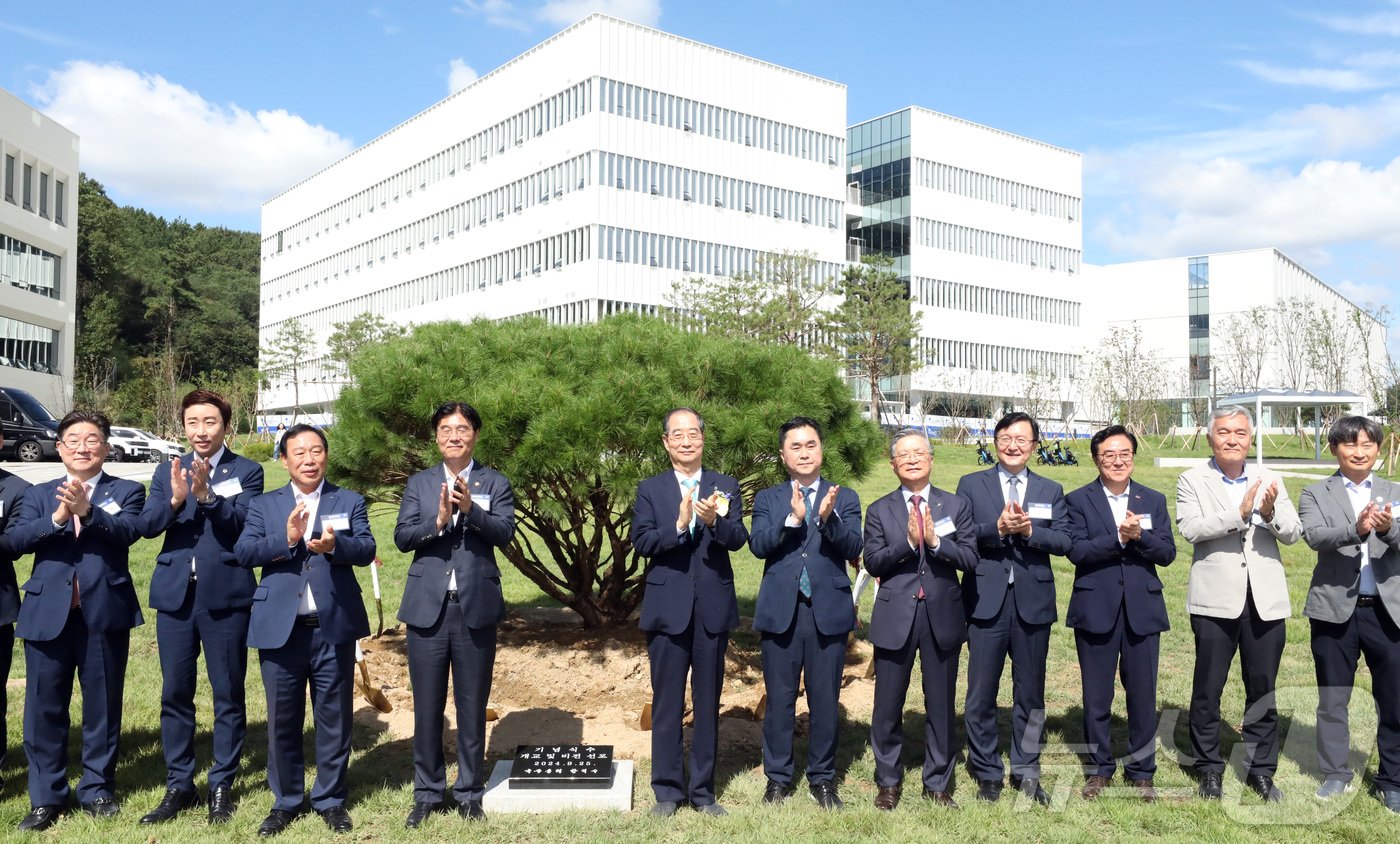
159 143
1315 77
502 13
1363 294
460 75
1380 23
565 12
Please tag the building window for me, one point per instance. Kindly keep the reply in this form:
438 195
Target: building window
58 203
29 267
10 179
1198 318
44 195
27 188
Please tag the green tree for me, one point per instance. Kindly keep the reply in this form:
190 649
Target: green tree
350 337
875 325
784 300
572 416
286 357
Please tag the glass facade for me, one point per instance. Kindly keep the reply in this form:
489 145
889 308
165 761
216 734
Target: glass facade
878 159
1198 323
29 267
27 346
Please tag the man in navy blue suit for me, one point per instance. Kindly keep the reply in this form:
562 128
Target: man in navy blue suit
686 522
453 517
201 595
11 488
917 539
78 611
1010 600
1119 533
804 530
307 615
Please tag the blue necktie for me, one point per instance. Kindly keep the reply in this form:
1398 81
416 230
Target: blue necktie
691 487
804 580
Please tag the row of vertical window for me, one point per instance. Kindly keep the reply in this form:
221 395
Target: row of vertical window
536 189
634 101
32 185
959 354
630 246
29 267
627 173
531 259
532 122
988 300
970 183
1001 247
24 345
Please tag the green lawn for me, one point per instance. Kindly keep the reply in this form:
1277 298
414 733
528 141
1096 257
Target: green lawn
381 773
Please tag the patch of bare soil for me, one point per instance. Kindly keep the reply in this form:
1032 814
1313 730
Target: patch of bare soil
557 682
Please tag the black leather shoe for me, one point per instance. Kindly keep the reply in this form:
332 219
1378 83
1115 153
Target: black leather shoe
825 795
472 811
989 791
173 803
1264 787
776 792
887 798
276 821
420 813
40 818
336 818
1210 788
940 798
102 807
1030 786
221 805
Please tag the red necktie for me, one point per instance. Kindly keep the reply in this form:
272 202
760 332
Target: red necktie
919 516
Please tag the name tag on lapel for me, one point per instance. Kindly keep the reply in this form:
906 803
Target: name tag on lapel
1145 522
1040 511
944 526
111 507
339 522
228 488
482 501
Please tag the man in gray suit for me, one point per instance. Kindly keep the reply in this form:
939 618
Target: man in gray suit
1354 601
1235 516
454 516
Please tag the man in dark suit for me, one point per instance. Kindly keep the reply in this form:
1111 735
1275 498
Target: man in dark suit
201 595
686 522
78 611
307 615
453 518
804 530
916 540
11 488
1010 601
1119 533
1354 603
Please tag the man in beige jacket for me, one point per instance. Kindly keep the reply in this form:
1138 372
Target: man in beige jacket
1235 516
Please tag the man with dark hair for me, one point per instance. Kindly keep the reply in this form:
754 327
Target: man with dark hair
1010 599
453 517
11 488
1235 516
307 615
804 531
916 540
1119 533
1354 602
78 611
686 522
202 598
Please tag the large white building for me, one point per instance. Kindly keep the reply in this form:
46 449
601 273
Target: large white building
585 177
985 226
38 252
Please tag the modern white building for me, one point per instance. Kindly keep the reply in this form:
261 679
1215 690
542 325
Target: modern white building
585 177
1237 322
985 226
38 250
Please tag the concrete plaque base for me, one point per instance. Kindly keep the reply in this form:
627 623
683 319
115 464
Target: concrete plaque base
500 797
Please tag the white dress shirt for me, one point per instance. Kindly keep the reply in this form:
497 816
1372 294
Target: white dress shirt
930 541
1022 479
1360 495
1118 504
313 502
451 479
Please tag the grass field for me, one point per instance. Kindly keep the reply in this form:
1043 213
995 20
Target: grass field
381 769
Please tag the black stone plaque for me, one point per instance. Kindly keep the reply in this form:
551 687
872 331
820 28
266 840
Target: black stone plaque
562 766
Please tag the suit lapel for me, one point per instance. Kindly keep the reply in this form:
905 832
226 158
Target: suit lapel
1099 501
1216 488
1337 485
993 482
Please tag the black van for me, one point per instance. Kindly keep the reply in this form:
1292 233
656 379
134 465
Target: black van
31 432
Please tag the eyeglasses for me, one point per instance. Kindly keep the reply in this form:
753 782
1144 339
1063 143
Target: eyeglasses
91 441
911 455
685 436
1116 456
459 430
1020 441
298 454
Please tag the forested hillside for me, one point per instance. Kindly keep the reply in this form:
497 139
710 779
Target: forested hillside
162 305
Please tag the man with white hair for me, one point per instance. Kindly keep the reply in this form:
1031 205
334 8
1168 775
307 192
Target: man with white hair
1235 515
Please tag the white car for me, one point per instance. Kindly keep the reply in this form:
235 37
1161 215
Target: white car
162 450
128 445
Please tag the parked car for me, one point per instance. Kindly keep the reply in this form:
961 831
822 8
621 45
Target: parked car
31 431
127 445
162 450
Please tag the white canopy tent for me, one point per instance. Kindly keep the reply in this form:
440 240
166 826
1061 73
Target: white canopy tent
1278 397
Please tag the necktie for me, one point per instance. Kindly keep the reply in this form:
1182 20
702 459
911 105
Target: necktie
691 487
804 580
919 517
77 530
1013 495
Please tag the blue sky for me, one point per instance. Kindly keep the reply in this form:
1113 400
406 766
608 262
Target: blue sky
1206 126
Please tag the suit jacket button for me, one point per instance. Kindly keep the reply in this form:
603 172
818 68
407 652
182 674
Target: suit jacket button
1243 565
804 555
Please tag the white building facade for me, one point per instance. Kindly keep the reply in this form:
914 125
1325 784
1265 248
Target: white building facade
586 177
38 253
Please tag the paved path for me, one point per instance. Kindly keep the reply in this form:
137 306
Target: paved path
47 470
